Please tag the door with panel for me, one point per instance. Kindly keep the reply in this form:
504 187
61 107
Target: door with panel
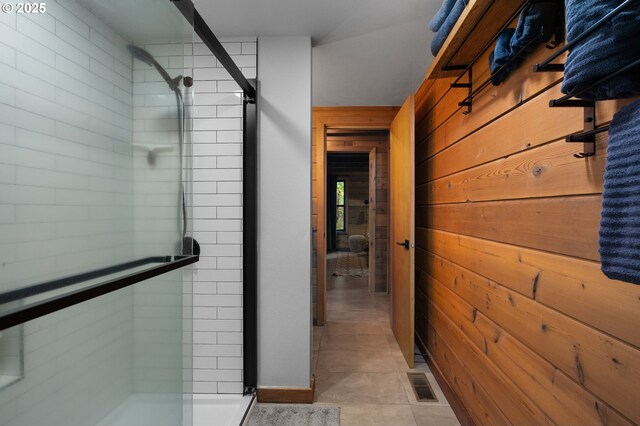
402 159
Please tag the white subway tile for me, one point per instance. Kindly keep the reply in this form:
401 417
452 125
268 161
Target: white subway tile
229 263
229 363
208 61
45 20
229 313
230 387
7 55
230 338
250 48
230 187
20 80
215 375
229 288
219 99
204 288
211 74
205 362
216 350
216 175
25 44
205 387
228 86
60 13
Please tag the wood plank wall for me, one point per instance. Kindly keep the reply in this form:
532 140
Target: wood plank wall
510 300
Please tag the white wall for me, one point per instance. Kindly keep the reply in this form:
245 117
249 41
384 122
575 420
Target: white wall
284 299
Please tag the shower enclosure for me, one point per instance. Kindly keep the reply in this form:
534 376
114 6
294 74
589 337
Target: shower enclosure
96 234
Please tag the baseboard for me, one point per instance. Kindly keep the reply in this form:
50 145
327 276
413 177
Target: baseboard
454 401
288 395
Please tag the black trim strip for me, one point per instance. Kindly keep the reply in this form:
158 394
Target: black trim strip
249 193
36 289
44 307
209 38
250 243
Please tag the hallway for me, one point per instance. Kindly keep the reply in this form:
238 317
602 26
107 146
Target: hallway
359 366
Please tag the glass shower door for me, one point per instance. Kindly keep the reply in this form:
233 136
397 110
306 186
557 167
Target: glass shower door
94 184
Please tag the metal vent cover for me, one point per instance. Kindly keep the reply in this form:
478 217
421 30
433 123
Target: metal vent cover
421 387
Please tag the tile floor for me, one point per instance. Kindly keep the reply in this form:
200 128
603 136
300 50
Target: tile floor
359 366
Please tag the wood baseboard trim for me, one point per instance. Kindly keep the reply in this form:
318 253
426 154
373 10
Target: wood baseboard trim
288 395
454 401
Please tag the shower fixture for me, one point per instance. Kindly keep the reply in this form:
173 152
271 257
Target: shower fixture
189 245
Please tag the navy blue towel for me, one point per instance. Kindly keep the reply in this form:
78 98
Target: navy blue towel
611 47
441 15
533 18
620 225
447 26
500 56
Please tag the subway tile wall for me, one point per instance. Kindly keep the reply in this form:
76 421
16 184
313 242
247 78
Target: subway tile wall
77 193
65 145
66 206
217 209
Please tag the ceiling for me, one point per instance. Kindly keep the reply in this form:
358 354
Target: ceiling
365 52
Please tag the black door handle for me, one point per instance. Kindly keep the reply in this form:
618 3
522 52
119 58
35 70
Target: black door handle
406 244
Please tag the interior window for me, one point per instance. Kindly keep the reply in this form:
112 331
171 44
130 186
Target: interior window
341 190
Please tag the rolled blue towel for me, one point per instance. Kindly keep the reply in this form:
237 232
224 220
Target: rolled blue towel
500 56
441 15
533 18
611 47
620 224
447 26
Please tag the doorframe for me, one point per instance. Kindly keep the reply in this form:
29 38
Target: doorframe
366 118
372 151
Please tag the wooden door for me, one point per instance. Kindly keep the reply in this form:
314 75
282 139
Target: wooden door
403 228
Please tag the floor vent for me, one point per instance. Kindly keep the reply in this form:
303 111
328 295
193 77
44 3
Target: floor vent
421 387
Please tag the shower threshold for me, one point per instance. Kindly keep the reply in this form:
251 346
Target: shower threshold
145 409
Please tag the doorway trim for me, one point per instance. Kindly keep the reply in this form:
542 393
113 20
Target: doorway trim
366 118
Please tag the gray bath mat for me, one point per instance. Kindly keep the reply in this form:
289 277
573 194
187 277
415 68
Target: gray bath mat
294 415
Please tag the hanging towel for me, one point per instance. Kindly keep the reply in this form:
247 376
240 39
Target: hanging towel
447 26
441 15
500 56
611 47
533 18
620 225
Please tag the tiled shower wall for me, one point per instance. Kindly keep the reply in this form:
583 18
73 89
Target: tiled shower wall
65 180
217 210
217 187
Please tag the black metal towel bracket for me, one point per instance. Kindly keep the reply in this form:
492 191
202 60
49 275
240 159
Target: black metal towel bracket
588 135
558 37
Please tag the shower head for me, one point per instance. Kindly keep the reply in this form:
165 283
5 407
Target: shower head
146 57
141 54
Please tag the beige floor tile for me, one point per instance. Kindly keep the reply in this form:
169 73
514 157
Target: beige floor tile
356 316
434 415
355 342
365 388
376 415
378 327
314 361
317 338
353 361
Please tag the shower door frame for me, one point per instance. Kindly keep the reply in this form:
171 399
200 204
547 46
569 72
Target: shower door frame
249 193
